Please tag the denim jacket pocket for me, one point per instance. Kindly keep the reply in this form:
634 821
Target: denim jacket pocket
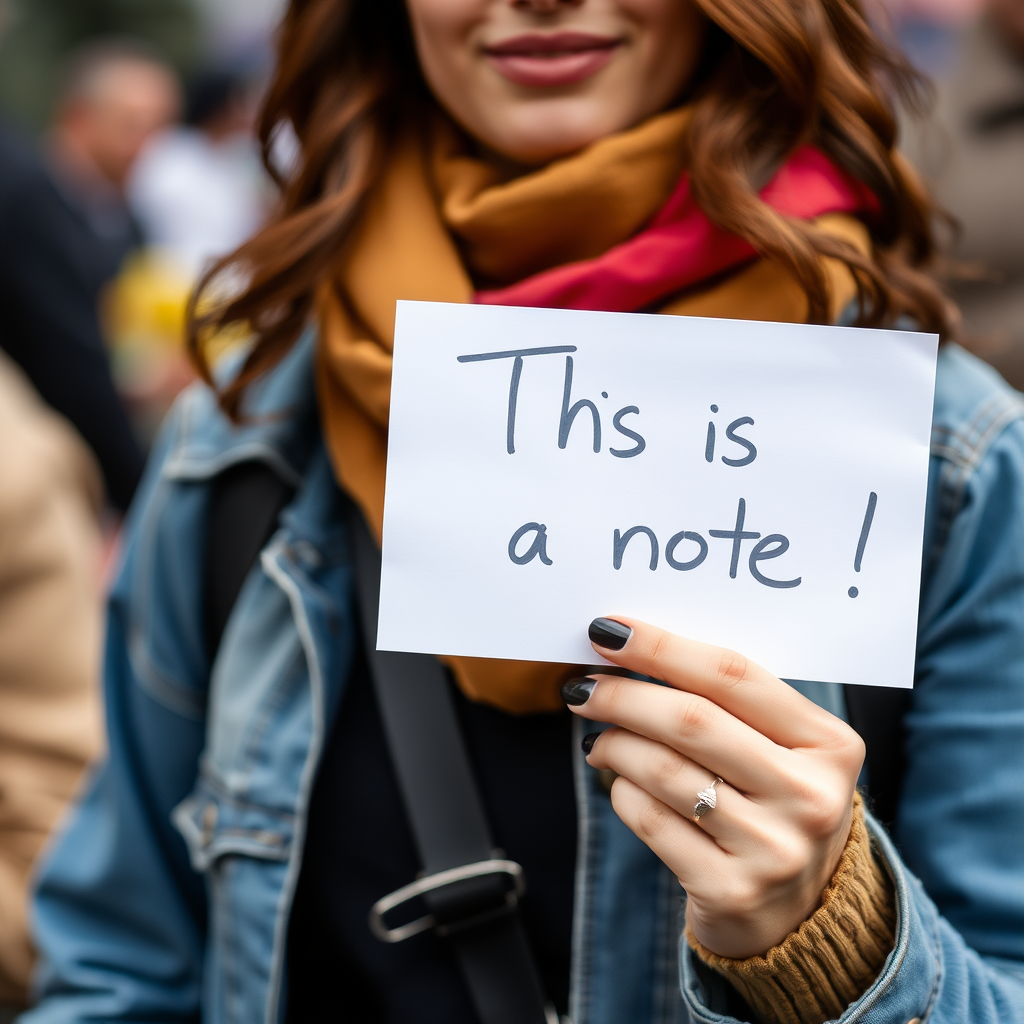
215 825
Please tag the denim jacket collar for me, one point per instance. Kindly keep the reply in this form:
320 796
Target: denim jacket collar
279 426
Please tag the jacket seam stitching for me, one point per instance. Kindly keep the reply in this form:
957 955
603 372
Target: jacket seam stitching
276 571
265 715
168 692
933 996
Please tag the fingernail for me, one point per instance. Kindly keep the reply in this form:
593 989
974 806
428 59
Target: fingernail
588 742
609 634
578 691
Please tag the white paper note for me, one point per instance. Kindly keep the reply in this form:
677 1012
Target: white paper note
759 486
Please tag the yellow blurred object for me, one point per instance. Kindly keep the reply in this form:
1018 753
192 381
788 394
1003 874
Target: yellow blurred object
144 320
146 303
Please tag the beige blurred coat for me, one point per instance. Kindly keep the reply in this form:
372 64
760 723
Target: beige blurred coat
50 634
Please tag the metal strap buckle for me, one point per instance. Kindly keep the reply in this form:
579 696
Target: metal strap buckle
439 881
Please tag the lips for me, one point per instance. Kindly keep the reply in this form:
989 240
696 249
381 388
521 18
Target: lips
546 61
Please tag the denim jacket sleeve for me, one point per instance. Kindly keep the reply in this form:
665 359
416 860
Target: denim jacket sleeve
119 914
958 858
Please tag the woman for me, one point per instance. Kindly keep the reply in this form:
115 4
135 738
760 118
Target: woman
534 151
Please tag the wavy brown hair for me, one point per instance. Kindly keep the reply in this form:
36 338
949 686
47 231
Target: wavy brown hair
776 74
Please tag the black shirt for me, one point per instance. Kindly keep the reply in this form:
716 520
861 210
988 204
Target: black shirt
52 267
359 848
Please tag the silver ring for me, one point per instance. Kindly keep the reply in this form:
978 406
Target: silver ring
707 800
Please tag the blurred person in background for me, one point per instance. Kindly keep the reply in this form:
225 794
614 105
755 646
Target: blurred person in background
199 190
64 232
116 97
929 32
50 637
972 154
42 35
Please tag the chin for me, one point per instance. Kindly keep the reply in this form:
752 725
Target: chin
535 135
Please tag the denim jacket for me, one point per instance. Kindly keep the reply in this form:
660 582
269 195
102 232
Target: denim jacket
167 896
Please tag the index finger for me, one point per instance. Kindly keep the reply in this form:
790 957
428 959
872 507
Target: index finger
736 684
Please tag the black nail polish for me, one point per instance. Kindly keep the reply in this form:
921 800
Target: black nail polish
588 742
578 691
609 634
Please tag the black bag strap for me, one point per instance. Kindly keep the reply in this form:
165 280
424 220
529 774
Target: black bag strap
245 503
469 889
448 821
878 713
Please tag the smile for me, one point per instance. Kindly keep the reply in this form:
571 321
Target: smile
542 60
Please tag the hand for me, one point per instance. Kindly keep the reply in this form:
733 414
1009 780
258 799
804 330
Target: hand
755 866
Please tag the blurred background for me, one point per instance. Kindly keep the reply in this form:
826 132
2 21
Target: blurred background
141 112
40 36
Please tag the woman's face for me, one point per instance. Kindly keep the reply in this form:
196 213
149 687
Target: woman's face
538 79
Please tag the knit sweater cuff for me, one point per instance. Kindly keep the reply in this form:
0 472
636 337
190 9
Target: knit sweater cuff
834 956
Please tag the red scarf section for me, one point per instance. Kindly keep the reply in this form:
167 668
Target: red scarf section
682 248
